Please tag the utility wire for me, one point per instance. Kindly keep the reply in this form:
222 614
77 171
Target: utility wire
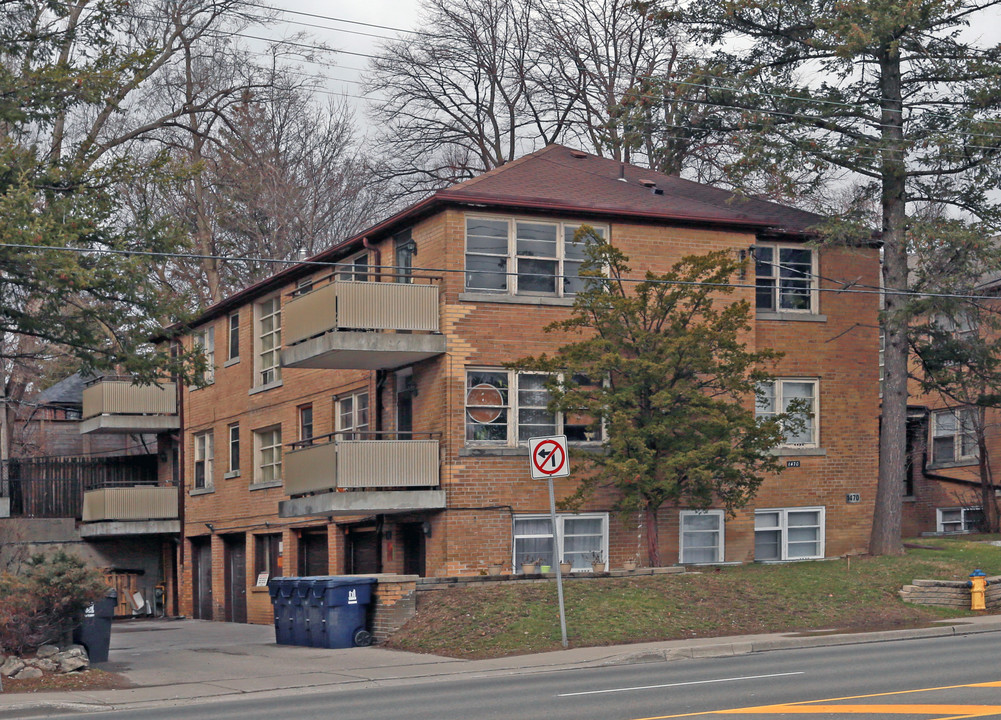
350 269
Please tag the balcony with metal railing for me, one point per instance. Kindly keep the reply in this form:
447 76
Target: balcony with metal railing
347 473
359 324
114 404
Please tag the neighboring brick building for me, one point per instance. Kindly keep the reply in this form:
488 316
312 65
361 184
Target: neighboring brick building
942 492
95 471
363 420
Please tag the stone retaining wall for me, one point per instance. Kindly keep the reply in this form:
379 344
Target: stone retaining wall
950 593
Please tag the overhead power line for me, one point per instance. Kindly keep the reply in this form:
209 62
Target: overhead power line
846 287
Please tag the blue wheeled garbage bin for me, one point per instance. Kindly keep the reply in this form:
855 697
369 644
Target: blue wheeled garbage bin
345 601
315 607
94 633
300 595
281 591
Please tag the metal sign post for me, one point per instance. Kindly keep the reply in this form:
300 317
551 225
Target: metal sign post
548 459
559 555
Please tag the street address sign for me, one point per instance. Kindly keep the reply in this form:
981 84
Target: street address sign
548 457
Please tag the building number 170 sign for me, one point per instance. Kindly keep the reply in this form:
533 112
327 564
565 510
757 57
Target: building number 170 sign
549 457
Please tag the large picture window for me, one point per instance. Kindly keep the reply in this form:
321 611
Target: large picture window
504 407
786 278
788 395
954 437
789 534
584 539
701 536
524 257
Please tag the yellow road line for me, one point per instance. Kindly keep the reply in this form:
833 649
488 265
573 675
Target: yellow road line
961 710
955 712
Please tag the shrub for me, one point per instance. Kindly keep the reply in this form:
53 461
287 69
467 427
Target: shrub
46 600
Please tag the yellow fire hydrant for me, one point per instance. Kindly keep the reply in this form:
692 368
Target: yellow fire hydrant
978 589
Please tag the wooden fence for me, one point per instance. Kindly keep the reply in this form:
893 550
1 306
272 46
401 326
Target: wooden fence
54 487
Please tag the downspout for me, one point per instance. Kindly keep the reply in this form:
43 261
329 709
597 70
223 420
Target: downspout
376 260
380 375
180 498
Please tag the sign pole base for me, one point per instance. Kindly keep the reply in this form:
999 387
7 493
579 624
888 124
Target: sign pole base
558 547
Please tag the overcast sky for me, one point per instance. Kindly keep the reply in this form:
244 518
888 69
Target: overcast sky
359 27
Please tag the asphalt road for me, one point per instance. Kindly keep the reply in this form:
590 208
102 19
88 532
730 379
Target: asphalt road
920 679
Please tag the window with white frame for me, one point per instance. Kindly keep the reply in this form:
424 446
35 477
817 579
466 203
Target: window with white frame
269 341
960 325
789 534
701 538
352 416
234 449
233 347
203 460
786 278
504 407
354 268
204 341
797 397
268 451
958 520
524 257
405 251
954 437
306 424
584 539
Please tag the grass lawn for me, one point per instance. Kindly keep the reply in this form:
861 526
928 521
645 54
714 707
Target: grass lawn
508 618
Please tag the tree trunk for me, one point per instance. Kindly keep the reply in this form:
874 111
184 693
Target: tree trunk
652 536
988 502
886 525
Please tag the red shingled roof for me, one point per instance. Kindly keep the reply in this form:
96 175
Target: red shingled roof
557 177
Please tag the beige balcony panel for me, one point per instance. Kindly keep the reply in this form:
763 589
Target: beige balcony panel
387 463
310 469
121 397
387 306
346 305
130 503
309 314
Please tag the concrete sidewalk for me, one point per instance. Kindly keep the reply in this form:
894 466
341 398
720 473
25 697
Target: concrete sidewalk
180 661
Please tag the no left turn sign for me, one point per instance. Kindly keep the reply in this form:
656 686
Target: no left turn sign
548 457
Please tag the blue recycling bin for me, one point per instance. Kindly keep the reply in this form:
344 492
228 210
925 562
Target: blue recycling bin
281 591
342 602
300 596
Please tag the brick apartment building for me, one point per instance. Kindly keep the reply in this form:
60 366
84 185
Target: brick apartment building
942 492
361 419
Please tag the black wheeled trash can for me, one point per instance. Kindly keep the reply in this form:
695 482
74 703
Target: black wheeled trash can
95 631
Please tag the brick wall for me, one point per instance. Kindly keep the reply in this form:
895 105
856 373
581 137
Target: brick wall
394 601
485 486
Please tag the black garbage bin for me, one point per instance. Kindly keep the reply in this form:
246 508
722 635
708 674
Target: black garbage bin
95 631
